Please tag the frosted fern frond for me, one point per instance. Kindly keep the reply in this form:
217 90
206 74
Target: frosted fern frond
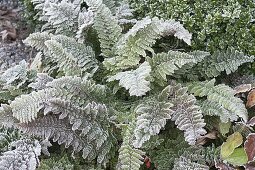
72 57
62 16
24 157
41 81
223 95
185 163
187 70
171 27
152 118
218 62
37 63
124 14
111 4
80 91
134 80
37 40
56 163
106 26
130 158
136 41
164 64
213 108
59 130
14 74
167 152
26 107
197 158
6 118
186 114
7 136
85 21
91 120
244 79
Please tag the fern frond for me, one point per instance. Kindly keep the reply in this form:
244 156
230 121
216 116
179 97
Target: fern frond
26 107
130 158
59 130
25 156
106 26
213 108
168 152
80 91
37 40
91 120
124 14
223 95
164 64
62 16
56 163
197 158
85 21
6 116
17 73
187 70
7 137
111 4
41 81
134 80
171 27
244 79
136 41
72 57
37 63
218 62
152 118
186 114
186 163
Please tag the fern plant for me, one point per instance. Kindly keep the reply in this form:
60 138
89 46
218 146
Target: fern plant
103 92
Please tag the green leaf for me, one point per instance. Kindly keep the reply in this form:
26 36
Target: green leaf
238 157
228 147
224 127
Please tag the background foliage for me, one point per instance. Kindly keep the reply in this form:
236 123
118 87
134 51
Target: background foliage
112 90
215 24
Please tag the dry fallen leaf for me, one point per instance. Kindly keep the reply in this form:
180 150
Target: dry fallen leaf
7 30
9 33
250 166
204 139
251 99
242 88
249 146
251 122
223 166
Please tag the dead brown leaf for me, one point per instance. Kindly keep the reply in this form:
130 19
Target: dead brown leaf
242 88
251 99
223 166
203 140
10 33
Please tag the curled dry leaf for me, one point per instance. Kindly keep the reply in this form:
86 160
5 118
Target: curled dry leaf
250 166
204 139
249 146
251 122
251 99
242 88
9 33
223 166
7 30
